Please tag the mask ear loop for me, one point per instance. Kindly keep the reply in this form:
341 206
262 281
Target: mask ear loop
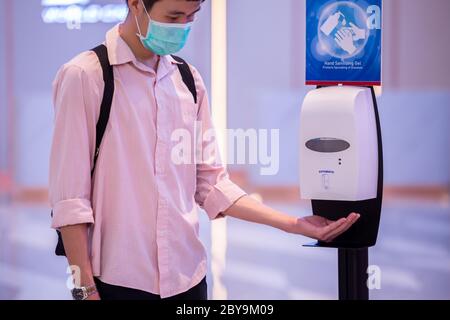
139 28
140 35
142 2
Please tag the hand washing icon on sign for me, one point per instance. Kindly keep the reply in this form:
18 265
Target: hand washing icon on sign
343 29
357 33
332 22
344 39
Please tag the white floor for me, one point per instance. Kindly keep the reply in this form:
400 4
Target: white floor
413 255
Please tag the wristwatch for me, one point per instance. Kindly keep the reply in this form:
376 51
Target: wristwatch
82 293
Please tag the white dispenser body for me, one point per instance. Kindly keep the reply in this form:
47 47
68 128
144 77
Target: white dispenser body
338 145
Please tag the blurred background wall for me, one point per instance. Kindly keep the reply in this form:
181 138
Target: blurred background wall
3 104
39 49
266 83
265 90
414 107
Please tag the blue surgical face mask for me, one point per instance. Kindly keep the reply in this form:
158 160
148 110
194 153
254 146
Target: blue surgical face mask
164 38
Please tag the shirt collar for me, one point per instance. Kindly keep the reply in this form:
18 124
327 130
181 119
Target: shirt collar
118 50
120 53
172 60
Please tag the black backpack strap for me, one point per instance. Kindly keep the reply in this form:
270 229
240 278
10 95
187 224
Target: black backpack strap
105 109
188 77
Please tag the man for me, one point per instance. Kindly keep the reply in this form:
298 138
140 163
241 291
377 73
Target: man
132 229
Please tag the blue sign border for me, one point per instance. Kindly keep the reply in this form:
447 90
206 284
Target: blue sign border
368 62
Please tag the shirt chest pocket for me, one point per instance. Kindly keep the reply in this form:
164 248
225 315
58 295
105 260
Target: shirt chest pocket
186 108
179 102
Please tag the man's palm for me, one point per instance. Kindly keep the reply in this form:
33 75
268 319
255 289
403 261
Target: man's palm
318 221
323 229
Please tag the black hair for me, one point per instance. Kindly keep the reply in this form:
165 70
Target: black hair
149 3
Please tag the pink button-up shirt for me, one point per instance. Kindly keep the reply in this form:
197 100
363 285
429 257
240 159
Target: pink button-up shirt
141 206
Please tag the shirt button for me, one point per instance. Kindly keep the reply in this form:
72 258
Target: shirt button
159 168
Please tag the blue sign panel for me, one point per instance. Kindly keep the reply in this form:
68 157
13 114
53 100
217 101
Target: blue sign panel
343 42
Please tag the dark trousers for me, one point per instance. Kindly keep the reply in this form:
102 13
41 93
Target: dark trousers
110 292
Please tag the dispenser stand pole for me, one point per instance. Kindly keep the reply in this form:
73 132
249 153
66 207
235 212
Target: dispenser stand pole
353 264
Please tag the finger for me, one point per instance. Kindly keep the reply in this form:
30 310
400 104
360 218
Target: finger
340 34
351 224
330 237
334 232
352 25
337 232
333 226
351 215
348 30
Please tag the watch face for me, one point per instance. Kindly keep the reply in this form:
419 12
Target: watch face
78 294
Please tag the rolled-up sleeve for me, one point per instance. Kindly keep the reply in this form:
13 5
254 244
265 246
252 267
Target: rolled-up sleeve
72 148
215 192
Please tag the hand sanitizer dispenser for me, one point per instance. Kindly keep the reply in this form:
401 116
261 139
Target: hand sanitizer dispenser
338 145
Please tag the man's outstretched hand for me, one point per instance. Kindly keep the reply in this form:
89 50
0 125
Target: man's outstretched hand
249 209
322 229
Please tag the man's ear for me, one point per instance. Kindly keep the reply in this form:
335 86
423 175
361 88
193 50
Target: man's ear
136 7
